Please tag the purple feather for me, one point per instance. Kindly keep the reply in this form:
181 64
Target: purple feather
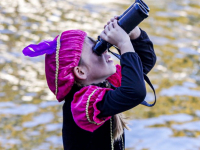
45 47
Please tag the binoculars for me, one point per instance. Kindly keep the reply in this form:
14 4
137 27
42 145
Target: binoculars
135 14
132 17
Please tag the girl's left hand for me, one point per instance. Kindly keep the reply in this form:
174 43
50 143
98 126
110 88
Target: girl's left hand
134 34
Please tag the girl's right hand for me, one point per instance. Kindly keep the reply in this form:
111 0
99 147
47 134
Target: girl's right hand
115 35
134 34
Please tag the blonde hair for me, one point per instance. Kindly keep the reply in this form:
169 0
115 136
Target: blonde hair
120 122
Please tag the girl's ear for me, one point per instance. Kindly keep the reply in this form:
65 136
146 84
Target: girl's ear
80 72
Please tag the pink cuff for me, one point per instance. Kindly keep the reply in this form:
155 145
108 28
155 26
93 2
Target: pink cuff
115 79
84 109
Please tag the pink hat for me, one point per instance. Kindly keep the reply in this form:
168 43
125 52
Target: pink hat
62 55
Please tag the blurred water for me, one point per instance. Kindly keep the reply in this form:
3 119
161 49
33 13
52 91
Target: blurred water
30 118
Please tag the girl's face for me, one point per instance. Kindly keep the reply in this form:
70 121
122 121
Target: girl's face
98 67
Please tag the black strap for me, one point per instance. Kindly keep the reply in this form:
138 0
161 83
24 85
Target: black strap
149 82
145 78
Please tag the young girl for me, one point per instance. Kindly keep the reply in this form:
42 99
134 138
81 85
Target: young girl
94 89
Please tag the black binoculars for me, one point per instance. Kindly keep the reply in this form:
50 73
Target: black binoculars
132 17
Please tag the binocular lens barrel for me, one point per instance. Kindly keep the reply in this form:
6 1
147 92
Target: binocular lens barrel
133 17
143 4
100 47
135 14
137 1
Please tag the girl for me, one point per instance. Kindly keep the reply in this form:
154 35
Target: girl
94 89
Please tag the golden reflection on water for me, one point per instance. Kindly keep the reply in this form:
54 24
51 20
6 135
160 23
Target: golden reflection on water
30 119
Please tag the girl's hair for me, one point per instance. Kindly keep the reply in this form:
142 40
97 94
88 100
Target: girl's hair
120 122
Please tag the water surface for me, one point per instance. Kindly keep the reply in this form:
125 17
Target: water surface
30 118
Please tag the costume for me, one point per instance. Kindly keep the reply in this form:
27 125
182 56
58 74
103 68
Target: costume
87 111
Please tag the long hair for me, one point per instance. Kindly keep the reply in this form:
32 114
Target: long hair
120 122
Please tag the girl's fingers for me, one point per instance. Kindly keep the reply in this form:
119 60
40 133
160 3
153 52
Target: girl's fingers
112 19
116 17
115 24
106 30
110 26
103 35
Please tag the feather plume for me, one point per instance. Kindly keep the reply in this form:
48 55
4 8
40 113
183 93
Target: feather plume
44 47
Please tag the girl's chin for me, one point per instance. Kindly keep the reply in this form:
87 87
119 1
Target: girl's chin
113 69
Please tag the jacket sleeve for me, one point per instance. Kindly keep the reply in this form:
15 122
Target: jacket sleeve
144 48
84 109
131 92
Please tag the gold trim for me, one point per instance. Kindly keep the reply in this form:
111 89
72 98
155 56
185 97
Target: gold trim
111 131
57 62
111 135
122 143
87 107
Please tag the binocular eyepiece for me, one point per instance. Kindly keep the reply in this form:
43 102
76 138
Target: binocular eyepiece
132 17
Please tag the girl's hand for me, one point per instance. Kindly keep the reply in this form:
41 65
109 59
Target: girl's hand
134 34
115 35
111 20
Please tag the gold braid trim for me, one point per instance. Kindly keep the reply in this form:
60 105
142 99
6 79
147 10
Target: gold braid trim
57 62
122 143
87 106
111 128
111 135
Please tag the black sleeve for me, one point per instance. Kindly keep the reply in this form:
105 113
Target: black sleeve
144 48
132 91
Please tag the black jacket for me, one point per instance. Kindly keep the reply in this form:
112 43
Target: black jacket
131 93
